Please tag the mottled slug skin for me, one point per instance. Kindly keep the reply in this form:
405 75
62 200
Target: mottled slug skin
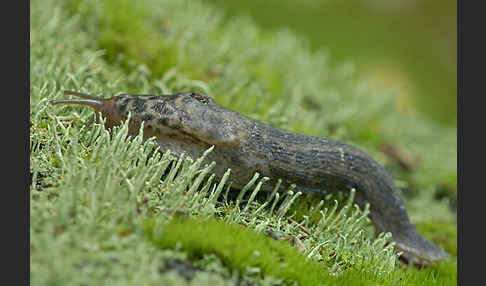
190 123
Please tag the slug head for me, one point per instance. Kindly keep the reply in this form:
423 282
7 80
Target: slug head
186 115
107 107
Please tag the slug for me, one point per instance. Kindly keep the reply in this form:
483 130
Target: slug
190 123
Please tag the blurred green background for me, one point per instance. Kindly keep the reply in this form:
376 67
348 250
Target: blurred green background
406 46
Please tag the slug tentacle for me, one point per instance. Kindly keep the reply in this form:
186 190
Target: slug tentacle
82 95
106 107
89 100
96 104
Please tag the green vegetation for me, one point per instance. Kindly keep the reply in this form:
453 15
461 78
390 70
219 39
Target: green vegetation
410 45
100 212
273 259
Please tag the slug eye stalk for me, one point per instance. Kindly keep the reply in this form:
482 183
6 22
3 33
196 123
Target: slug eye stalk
86 99
107 107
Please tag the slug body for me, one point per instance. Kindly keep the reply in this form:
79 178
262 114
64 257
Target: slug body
190 123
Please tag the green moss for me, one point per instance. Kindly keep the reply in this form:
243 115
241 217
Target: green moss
303 204
95 186
126 33
272 77
448 189
242 249
238 248
406 46
444 273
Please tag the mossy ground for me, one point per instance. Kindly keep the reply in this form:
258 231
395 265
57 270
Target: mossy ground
94 193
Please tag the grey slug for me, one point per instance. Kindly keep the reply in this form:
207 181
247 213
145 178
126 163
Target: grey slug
190 123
